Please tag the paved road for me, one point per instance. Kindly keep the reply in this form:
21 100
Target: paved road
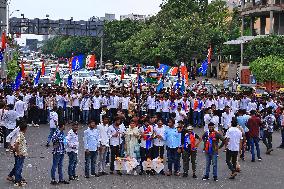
266 174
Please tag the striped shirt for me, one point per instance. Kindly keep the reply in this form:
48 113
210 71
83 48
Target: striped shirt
59 141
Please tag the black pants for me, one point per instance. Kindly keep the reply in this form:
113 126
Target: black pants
41 116
267 139
6 133
34 115
158 151
96 115
114 152
151 112
231 159
76 113
145 154
112 113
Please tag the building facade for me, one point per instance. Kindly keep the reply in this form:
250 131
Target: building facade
133 17
266 16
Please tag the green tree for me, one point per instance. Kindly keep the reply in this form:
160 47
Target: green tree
13 66
270 68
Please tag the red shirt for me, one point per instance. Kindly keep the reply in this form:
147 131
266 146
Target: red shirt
254 123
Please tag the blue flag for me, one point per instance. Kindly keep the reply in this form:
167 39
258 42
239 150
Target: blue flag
77 62
203 68
163 69
69 82
1 56
36 80
160 86
17 82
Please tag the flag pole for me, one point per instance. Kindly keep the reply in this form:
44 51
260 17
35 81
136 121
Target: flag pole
101 58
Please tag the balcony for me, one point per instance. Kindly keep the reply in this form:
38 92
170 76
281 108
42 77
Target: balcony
262 7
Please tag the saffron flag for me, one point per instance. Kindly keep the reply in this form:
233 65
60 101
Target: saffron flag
173 71
4 41
91 61
209 54
122 73
163 69
70 64
23 70
42 68
77 62
17 82
36 80
184 74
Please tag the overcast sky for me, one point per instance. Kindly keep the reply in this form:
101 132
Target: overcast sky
82 9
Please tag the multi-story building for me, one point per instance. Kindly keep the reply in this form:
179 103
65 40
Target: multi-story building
133 17
266 16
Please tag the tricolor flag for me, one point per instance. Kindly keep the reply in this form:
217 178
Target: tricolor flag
209 55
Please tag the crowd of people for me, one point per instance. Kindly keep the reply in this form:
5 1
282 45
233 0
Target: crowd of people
121 123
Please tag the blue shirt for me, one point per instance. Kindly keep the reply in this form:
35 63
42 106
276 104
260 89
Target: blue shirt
172 138
92 139
242 121
59 142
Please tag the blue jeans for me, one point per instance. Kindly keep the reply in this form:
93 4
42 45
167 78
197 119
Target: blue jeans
254 141
173 158
72 164
91 156
52 130
85 116
214 158
57 163
196 118
19 168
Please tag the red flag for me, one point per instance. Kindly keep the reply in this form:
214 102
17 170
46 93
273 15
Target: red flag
91 61
42 68
209 55
23 70
122 73
4 40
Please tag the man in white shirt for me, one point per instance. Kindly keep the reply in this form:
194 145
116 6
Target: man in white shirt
76 97
96 101
151 104
165 109
114 103
10 99
53 123
226 119
104 145
20 107
72 151
159 140
116 132
233 142
85 108
40 107
180 114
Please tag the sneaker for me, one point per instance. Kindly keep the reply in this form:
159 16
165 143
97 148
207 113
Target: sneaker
111 172
169 173
95 175
104 173
63 182
47 145
7 150
19 184
87 176
253 160
215 179
259 159
194 176
135 173
205 178
184 175
119 173
177 174
233 175
71 178
53 182
10 179
141 173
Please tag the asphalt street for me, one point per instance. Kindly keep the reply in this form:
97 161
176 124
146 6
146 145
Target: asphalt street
268 173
